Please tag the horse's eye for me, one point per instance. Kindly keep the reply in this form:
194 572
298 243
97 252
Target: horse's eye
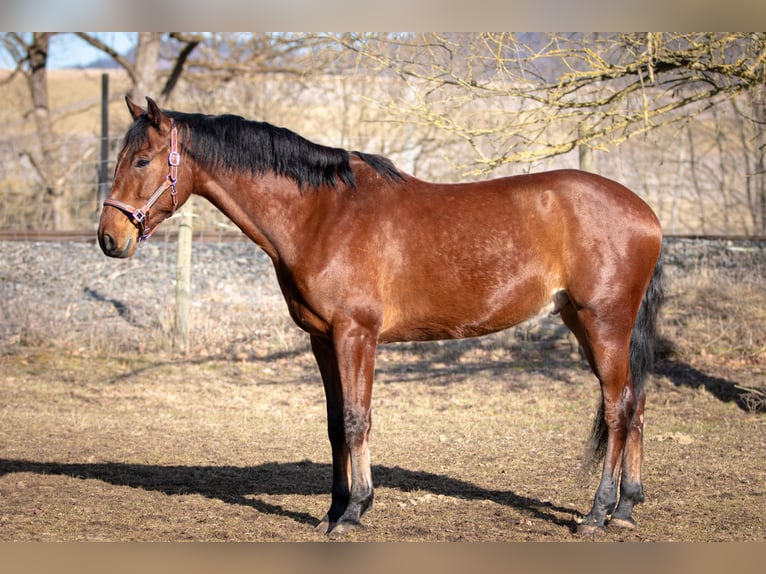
142 162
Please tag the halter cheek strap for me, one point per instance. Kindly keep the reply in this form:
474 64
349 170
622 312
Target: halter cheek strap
138 216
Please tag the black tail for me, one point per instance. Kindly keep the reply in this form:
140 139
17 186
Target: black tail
642 346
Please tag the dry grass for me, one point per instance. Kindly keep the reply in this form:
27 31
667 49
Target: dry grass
713 316
717 324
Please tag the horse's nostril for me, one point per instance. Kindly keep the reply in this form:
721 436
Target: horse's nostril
112 248
108 243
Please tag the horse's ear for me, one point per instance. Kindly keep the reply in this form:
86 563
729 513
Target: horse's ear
158 119
135 110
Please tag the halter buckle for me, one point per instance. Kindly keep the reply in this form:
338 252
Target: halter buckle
139 216
174 158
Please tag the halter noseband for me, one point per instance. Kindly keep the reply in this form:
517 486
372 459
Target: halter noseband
138 216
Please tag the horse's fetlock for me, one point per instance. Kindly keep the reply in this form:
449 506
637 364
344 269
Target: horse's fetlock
356 422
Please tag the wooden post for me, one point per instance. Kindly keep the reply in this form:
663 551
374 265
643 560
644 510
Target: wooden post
183 280
103 170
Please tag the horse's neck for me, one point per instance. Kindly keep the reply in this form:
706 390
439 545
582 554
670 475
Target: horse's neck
266 208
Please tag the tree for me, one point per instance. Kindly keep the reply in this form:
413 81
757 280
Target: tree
30 54
616 85
752 114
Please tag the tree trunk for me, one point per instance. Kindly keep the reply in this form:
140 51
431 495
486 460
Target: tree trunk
695 169
46 163
759 115
147 58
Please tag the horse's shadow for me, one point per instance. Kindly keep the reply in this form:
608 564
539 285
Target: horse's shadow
243 485
685 375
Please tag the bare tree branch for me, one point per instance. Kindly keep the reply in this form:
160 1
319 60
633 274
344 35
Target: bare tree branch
618 86
124 63
191 42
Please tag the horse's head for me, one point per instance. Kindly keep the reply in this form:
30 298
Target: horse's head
145 190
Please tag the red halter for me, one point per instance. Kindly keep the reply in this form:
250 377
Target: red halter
138 216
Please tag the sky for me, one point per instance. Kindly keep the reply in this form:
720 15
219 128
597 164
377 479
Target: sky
67 50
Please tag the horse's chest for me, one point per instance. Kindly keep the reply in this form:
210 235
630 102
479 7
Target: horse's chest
304 316
310 300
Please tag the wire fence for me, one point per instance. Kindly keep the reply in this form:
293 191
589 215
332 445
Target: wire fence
26 201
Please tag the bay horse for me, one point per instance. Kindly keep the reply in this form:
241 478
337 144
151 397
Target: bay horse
366 254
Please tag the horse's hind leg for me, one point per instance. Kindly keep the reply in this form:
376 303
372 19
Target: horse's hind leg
631 486
606 345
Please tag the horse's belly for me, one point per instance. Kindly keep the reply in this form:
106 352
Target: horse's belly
469 314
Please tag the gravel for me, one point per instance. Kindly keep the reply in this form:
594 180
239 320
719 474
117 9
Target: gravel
70 295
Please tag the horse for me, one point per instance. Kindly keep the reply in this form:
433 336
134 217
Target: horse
366 254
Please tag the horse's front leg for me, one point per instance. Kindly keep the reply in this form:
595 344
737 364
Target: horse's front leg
347 365
324 353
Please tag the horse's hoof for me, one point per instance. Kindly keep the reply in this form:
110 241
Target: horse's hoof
626 523
591 531
323 527
343 528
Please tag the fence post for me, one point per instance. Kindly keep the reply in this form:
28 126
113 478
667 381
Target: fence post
183 280
103 169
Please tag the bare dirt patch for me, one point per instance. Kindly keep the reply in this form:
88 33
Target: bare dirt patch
472 440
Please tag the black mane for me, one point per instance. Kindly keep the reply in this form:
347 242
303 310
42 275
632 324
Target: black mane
235 144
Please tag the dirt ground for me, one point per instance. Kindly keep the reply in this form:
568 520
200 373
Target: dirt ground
477 440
